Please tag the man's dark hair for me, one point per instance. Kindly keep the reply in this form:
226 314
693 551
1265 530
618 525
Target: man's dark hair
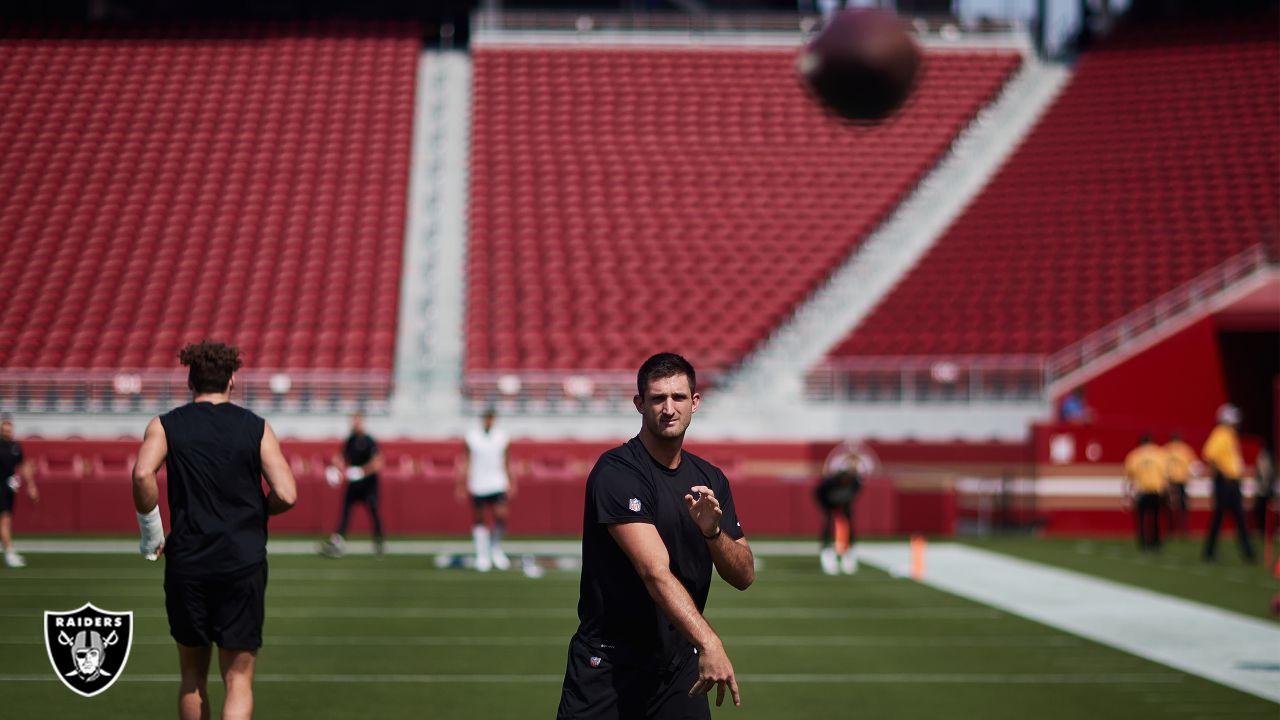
1144 438
665 365
211 363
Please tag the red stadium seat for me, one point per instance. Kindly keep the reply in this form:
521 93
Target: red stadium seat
1156 163
164 216
629 200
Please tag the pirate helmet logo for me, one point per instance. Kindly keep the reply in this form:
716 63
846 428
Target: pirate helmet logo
88 647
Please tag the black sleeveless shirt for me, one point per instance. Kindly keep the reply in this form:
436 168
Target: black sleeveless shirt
217 507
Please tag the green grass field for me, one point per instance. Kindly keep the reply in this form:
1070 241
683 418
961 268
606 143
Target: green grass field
396 638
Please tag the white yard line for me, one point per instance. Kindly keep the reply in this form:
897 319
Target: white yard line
852 641
491 613
769 678
1220 645
292 546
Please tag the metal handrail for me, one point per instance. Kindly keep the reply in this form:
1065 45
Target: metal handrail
713 22
111 390
965 377
1178 302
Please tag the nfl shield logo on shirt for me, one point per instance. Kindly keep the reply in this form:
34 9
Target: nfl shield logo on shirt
595 661
634 504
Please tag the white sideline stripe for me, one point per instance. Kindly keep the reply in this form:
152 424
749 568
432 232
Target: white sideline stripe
1013 641
1223 646
767 678
376 613
568 548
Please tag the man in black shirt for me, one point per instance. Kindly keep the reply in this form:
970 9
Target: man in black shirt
359 462
656 520
215 576
14 471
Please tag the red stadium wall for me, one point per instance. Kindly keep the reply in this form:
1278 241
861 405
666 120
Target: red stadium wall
1175 385
85 487
1078 488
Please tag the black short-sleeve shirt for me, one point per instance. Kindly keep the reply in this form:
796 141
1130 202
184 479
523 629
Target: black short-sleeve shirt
359 450
10 459
627 485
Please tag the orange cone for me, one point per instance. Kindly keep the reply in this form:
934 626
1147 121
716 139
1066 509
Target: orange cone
918 546
842 535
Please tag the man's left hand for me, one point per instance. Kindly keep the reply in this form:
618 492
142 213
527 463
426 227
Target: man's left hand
704 508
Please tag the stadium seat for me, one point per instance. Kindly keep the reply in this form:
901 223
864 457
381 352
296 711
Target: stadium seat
236 195
629 200
1075 231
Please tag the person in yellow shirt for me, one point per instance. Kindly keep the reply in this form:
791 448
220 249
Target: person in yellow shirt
1145 471
1222 454
1182 461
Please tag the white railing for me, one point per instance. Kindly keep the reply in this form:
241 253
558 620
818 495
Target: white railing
552 392
1177 303
147 391
909 380
693 23
968 379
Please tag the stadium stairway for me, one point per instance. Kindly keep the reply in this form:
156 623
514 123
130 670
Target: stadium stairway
429 352
851 292
426 400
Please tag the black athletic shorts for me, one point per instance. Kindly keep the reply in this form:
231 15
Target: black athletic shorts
227 611
6 497
365 491
602 686
480 501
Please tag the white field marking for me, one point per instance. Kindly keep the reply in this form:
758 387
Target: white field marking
968 678
377 613
961 641
562 548
881 613
765 678
1216 644
295 575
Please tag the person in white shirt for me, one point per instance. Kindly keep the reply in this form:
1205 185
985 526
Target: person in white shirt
486 477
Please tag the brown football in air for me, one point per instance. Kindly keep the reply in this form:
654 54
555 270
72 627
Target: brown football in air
862 65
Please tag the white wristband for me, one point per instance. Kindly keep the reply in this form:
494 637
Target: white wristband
152 533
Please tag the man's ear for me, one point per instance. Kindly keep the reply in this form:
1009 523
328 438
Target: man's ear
697 400
639 403
231 384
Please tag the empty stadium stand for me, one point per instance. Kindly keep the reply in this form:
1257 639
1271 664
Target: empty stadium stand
630 200
244 182
1156 164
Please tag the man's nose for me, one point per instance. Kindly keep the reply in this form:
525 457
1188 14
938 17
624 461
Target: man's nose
668 407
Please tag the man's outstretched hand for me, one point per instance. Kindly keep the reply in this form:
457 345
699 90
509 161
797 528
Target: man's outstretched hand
704 508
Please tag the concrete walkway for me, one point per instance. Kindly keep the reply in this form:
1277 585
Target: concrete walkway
1229 648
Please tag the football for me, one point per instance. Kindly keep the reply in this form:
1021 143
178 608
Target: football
863 64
